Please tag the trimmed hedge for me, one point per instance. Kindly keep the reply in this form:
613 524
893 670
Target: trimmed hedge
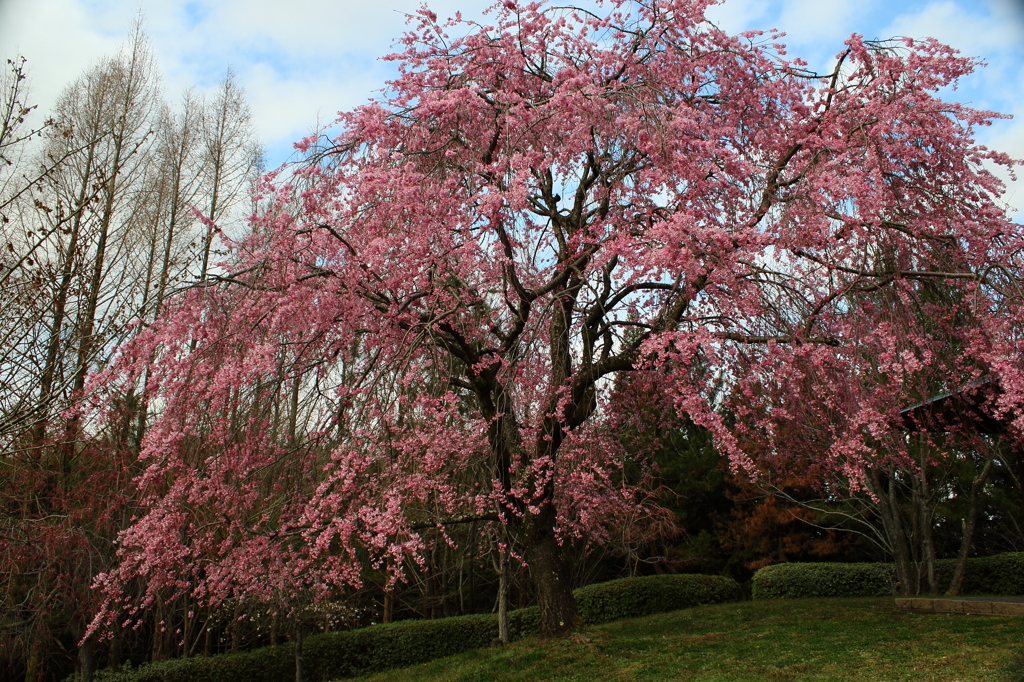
794 581
636 597
329 656
269 664
999 574
397 645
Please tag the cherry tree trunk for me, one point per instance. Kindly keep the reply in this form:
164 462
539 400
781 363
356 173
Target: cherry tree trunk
551 576
882 485
86 660
503 601
969 523
298 650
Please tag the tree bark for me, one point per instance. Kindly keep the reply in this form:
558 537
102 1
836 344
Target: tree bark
86 660
881 485
298 649
61 299
923 512
34 666
114 657
236 635
430 588
551 575
969 523
503 597
471 583
186 628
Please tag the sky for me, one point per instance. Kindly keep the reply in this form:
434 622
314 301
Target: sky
301 61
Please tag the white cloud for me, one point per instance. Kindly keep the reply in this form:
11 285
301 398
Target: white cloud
298 60
809 21
814 30
740 15
1009 138
58 39
288 109
993 31
304 60
971 32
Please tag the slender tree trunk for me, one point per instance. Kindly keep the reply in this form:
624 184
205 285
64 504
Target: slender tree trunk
503 597
201 632
186 627
906 567
236 636
61 300
298 649
1019 452
34 667
923 521
86 660
429 601
86 343
927 507
218 169
156 649
470 582
969 523
114 658
461 581
881 485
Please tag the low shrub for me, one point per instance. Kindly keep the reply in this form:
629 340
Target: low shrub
396 645
635 597
268 664
328 656
393 645
796 581
998 574
332 655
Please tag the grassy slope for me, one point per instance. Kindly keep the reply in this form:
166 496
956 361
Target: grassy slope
816 640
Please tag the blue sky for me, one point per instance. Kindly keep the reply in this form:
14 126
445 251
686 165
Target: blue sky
301 61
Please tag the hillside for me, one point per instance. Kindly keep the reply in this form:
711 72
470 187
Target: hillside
823 640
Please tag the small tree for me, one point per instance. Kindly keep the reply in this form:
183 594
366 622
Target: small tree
535 207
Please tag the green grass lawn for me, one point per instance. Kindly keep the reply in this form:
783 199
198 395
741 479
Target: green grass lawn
806 639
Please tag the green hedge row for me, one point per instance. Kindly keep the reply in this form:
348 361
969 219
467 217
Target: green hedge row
636 597
999 574
332 655
793 581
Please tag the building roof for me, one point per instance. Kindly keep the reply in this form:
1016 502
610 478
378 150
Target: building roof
966 408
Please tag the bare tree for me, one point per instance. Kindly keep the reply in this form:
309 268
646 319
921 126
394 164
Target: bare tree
98 228
177 184
232 157
24 240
